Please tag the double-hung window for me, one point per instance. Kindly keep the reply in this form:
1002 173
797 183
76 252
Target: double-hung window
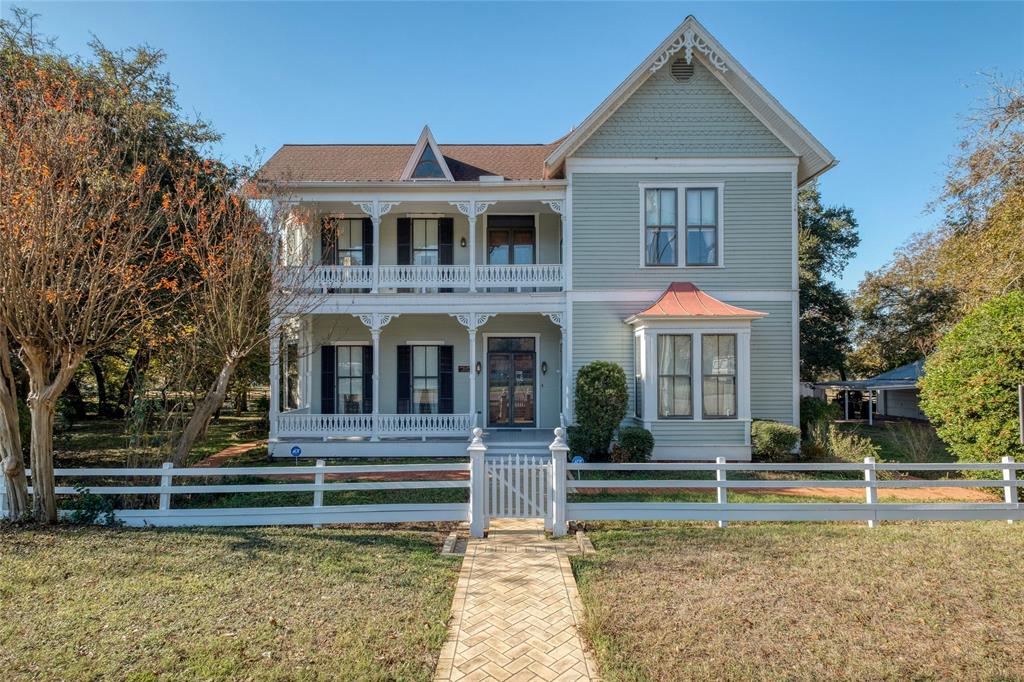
350 379
425 244
425 380
675 384
702 226
719 375
660 227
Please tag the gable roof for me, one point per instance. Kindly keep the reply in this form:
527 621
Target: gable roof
387 162
694 41
426 140
683 300
906 376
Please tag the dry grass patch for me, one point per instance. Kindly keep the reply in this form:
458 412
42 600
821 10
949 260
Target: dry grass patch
253 604
806 601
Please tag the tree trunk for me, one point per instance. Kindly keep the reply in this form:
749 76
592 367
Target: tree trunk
15 481
44 496
133 377
204 410
242 402
74 394
101 386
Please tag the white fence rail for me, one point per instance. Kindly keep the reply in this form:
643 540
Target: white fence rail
723 511
526 276
426 276
317 513
362 277
342 277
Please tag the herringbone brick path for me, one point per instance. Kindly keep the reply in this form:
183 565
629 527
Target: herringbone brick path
515 611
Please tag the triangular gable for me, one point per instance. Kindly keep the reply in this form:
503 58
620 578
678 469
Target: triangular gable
426 161
694 41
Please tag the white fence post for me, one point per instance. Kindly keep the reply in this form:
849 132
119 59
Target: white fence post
1010 476
165 483
871 492
723 492
318 495
477 484
559 455
3 500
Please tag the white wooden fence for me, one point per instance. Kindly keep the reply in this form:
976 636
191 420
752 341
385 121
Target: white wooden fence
165 513
537 486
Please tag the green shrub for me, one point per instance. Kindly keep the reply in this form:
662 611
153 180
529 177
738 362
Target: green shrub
969 389
601 401
850 446
815 411
773 441
89 508
635 445
814 447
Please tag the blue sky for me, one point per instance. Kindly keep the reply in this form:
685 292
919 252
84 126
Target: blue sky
883 85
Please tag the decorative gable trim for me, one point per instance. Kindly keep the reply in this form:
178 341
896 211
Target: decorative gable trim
687 42
426 138
814 158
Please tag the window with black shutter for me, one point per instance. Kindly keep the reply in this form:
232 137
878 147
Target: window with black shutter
327 368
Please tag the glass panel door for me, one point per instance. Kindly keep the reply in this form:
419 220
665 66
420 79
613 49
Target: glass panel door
511 382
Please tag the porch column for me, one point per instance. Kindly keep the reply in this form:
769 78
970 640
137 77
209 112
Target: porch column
375 322
275 376
871 411
558 206
376 209
561 320
471 209
846 399
471 321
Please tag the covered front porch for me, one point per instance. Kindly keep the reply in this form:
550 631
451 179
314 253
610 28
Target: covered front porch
416 383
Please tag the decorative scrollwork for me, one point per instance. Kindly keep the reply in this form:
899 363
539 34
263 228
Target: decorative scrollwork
376 321
556 319
687 42
376 208
472 208
472 320
557 205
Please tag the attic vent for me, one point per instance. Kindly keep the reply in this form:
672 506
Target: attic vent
682 71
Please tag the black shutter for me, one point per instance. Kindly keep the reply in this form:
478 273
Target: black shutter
404 241
367 241
404 379
445 244
328 242
367 379
445 379
328 367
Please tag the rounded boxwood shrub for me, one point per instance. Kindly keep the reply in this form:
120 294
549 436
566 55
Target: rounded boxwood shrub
969 388
635 445
601 401
773 441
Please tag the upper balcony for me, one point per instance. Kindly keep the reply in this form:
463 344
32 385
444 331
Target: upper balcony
386 246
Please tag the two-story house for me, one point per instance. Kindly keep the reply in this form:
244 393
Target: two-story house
465 284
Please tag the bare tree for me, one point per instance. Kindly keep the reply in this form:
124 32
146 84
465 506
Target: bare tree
236 298
82 252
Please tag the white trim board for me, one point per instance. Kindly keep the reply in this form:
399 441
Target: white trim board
648 295
682 165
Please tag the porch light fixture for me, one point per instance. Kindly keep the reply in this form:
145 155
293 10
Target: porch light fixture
479 367
462 242
544 367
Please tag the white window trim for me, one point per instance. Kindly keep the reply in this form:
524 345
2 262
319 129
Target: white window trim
648 333
681 188
536 370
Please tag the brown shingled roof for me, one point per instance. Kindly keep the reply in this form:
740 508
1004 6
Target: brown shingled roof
385 162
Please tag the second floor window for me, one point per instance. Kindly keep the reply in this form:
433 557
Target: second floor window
342 241
702 226
660 227
424 241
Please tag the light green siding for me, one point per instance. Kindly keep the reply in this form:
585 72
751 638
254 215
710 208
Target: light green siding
699 117
771 362
706 432
757 232
599 333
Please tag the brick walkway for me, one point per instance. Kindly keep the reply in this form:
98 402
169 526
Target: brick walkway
516 610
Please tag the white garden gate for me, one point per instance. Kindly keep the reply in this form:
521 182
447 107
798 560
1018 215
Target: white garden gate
518 486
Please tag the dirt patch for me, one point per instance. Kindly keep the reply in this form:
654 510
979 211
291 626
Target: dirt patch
930 494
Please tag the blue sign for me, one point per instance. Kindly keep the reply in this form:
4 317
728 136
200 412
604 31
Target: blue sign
577 459
296 451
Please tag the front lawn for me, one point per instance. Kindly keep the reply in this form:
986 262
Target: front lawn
355 604
805 601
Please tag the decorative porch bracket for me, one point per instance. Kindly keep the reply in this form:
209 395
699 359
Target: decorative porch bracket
472 209
471 321
376 209
375 322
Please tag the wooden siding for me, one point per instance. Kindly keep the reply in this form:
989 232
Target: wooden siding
757 232
705 432
699 117
771 362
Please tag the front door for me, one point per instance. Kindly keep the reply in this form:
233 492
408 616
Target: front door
511 381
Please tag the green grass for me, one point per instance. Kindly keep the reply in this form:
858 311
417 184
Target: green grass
925 601
253 604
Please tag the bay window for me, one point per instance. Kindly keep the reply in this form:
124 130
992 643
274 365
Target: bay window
718 363
675 384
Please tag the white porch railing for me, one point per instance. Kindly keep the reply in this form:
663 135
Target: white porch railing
342 277
538 275
541 276
293 425
425 276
